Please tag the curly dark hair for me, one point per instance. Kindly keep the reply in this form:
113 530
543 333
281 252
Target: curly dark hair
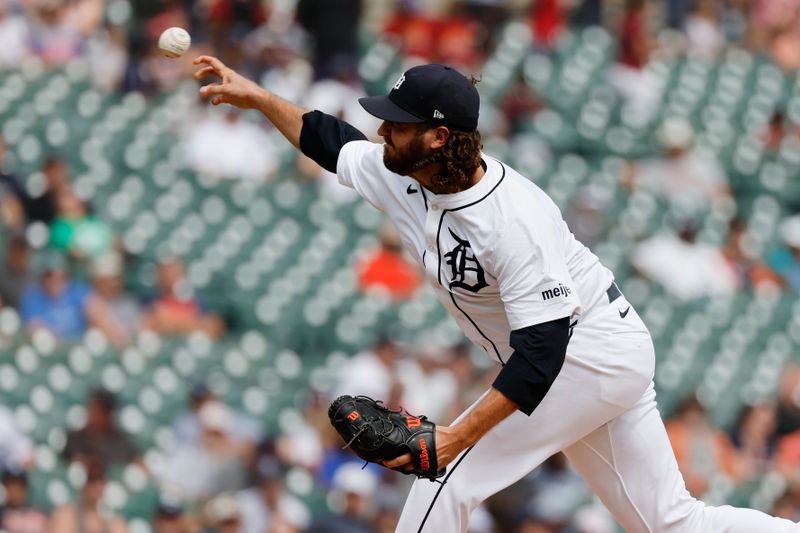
460 157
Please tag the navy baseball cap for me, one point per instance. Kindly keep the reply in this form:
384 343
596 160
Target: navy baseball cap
429 93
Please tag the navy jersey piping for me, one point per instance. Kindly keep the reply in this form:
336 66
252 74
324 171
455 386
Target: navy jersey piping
439 253
496 351
445 211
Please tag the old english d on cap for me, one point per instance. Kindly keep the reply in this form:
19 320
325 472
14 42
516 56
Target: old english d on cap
429 93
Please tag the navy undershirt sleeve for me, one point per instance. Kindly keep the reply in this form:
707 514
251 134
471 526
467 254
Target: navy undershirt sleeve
322 137
539 353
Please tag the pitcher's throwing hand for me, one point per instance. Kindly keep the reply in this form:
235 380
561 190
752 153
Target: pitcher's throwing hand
233 88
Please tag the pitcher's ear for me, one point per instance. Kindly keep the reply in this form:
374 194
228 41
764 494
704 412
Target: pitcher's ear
440 136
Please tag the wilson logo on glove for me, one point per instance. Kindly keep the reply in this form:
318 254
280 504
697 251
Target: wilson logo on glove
377 434
424 459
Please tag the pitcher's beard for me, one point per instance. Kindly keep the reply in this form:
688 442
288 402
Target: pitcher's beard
413 157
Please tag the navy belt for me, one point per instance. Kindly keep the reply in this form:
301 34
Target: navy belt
613 292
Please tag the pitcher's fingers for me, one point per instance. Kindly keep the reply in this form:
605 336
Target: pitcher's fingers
217 100
398 461
218 65
212 89
204 72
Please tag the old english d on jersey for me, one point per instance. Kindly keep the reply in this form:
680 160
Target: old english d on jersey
502 228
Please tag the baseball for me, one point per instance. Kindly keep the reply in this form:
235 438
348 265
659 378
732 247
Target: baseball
174 42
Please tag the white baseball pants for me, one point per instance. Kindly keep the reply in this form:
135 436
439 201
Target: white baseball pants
601 412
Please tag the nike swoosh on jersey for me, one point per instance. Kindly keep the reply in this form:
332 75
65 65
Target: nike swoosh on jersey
411 190
623 314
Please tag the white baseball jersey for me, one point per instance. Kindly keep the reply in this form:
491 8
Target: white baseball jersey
498 254
501 258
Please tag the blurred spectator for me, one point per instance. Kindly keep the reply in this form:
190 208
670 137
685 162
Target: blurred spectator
223 145
43 204
372 373
304 444
788 505
387 267
768 19
786 46
530 524
389 503
175 310
734 21
75 230
170 518
457 39
452 39
788 458
491 16
686 268
337 96
188 428
676 12
281 67
589 216
748 267
223 514
353 493
548 496
471 382
100 439
18 515
414 33
547 21
557 492
13 198
215 464
12 212
59 28
122 318
785 259
587 13
755 439
14 35
429 385
333 27
89 514
267 506
186 425
628 75
703 451
788 424
789 400
15 270
16 448
777 130
56 303
634 46
690 179
704 35
229 22
108 57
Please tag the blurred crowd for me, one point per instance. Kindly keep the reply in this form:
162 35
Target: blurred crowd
65 271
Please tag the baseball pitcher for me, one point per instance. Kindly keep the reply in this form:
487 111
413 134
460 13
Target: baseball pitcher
577 360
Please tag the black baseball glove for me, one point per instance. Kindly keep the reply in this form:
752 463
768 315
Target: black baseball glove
379 434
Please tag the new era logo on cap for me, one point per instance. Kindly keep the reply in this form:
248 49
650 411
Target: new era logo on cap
429 93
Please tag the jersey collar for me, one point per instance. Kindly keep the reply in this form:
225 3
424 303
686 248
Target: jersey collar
491 176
